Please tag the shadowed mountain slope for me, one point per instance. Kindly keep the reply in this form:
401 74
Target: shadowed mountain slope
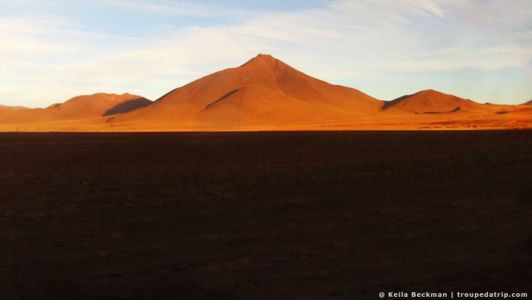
128 106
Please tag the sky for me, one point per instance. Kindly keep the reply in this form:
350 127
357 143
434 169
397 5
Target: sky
52 50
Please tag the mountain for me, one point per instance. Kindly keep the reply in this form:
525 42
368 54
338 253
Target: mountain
81 107
262 92
435 102
528 103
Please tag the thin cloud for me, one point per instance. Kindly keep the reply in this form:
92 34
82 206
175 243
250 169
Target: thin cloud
172 8
356 43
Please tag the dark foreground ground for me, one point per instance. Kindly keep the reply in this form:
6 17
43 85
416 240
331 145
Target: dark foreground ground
322 215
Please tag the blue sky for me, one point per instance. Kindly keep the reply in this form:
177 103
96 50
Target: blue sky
52 50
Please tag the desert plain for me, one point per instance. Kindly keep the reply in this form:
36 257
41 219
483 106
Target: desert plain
269 215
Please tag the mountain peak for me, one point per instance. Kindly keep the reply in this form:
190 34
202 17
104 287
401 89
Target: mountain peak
264 57
431 92
263 60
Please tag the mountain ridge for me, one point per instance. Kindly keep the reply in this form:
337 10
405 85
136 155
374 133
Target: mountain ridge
265 93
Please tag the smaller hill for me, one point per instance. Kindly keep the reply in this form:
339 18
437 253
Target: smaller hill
434 102
81 107
88 106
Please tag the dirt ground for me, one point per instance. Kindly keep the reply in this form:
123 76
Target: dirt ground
286 215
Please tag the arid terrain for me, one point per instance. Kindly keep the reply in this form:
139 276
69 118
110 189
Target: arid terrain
272 215
264 94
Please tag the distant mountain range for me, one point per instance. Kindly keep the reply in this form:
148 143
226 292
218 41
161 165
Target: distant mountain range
264 94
